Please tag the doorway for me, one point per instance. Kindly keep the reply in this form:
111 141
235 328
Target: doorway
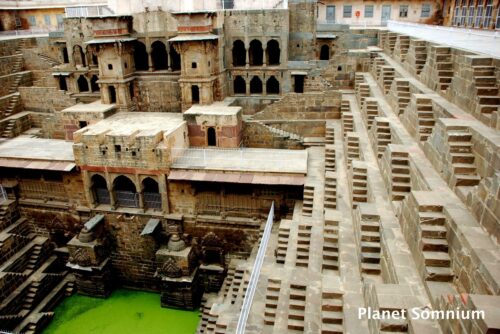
195 94
211 137
298 86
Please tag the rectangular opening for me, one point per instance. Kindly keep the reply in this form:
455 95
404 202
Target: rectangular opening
298 84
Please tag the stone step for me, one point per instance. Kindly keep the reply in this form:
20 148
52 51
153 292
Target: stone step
435 245
434 231
370 236
488 109
370 268
462 157
485 80
372 226
436 259
439 274
461 168
466 179
487 91
489 100
332 329
369 246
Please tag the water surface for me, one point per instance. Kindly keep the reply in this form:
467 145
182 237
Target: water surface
124 312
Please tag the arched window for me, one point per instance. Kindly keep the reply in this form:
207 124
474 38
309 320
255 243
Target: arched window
239 85
140 57
83 85
324 53
79 56
255 85
272 86
255 53
195 94
100 190
93 83
159 55
62 83
211 137
65 55
273 52
112 94
125 192
175 60
131 90
152 197
239 53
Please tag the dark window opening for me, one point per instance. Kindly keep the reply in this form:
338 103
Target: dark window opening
65 55
112 94
140 57
100 190
339 68
324 53
211 137
272 86
239 53
240 86
159 55
298 86
95 60
83 85
255 85
125 192
82 124
62 83
175 60
118 148
93 83
194 65
255 53
152 197
131 90
195 94
273 52
110 66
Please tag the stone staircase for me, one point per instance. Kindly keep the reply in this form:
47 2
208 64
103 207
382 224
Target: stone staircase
331 242
303 244
438 70
370 111
31 295
390 42
48 59
8 131
425 116
18 64
400 175
283 237
329 134
417 55
381 135
434 244
296 307
332 313
271 303
387 76
11 107
34 257
330 198
359 183
352 148
307 203
370 243
282 133
330 164
15 83
486 85
462 158
401 47
401 91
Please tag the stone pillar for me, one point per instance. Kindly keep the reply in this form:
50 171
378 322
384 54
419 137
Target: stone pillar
150 62
264 57
264 87
163 188
169 68
247 91
247 57
87 184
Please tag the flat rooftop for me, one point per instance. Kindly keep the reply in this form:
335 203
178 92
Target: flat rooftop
96 107
134 123
243 159
37 153
481 41
217 110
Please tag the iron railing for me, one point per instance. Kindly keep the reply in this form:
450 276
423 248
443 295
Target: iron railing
152 200
102 196
254 277
127 199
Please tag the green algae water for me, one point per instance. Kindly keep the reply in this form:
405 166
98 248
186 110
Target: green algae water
124 312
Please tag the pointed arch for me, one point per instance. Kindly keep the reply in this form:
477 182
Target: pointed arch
273 52
140 57
159 56
272 86
83 84
239 53
255 85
